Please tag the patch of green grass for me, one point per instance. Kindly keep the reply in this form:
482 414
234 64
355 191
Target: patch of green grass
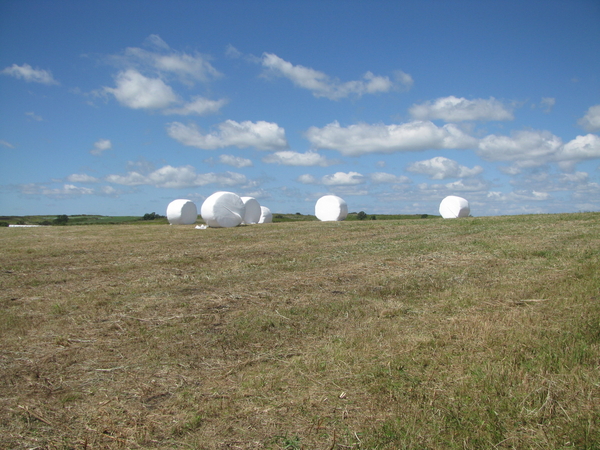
288 442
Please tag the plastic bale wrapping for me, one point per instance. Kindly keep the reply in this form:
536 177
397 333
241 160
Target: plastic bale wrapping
453 207
182 212
331 208
252 214
265 215
223 210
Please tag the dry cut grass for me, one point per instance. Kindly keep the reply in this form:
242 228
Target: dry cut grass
412 334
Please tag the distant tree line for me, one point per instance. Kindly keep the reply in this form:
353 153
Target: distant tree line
152 216
363 216
61 220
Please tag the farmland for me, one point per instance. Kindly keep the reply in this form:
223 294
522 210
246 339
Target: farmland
376 334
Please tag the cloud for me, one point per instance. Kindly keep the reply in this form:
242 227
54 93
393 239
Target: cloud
454 109
547 104
591 121
145 78
404 79
154 40
100 146
110 191
343 179
34 116
517 196
321 85
68 190
336 179
200 106
307 179
579 149
136 91
29 74
82 178
261 135
141 165
440 168
529 195
235 161
578 183
258 194
232 52
65 191
530 148
291 158
472 186
388 178
177 177
523 148
6 144
361 139
188 68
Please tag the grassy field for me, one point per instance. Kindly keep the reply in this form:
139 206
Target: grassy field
478 333
86 219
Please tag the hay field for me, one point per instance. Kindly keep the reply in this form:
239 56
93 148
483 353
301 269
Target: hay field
413 334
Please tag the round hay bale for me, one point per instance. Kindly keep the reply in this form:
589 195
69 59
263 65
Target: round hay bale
182 212
252 214
453 207
331 208
223 210
265 215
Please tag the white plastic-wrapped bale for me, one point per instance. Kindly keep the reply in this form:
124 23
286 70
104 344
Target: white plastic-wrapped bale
223 210
182 212
265 215
331 208
252 214
453 207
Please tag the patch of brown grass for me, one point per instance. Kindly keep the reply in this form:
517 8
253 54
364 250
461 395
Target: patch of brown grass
475 333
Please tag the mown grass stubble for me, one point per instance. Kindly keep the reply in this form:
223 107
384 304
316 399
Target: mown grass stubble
475 333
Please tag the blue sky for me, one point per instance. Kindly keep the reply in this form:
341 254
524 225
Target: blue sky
119 107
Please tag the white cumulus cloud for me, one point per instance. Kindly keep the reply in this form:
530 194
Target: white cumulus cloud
307 179
342 179
177 177
524 149
531 148
291 158
146 78
468 185
137 91
591 121
579 149
361 139
235 161
188 68
260 135
29 74
199 105
440 168
82 178
336 179
321 85
547 104
100 146
454 109
388 178
64 191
